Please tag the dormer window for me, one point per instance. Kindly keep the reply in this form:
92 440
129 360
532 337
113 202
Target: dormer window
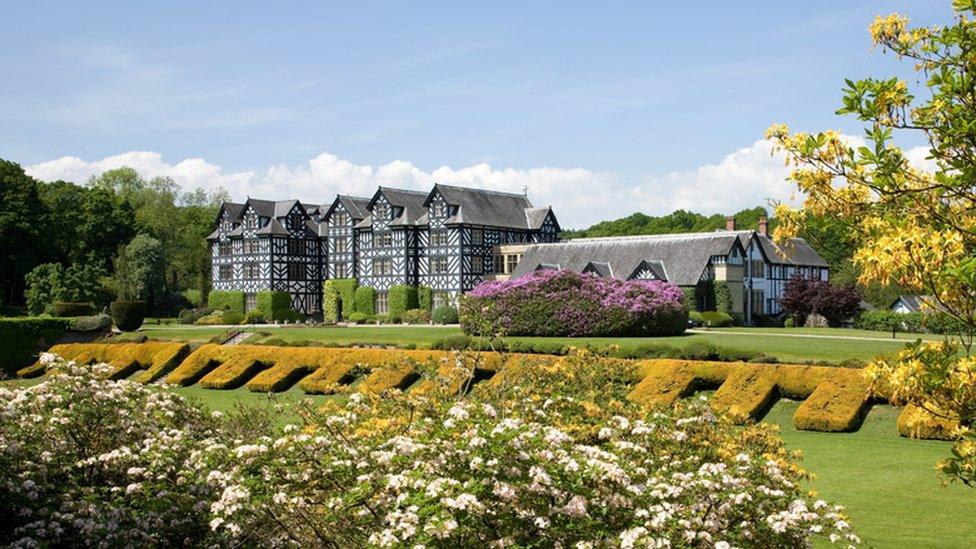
381 211
397 212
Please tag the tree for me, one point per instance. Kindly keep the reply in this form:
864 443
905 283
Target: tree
43 284
23 220
139 270
910 226
797 299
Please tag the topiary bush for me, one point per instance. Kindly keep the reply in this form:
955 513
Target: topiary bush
226 300
402 298
565 303
425 298
716 319
73 309
358 318
334 292
128 315
365 300
416 316
20 338
275 305
90 323
445 314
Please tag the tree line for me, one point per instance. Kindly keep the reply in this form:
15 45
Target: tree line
118 235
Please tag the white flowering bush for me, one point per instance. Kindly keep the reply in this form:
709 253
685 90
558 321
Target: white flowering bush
551 457
89 461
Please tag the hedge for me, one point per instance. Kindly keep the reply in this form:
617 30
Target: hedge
445 314
384 379
275 305
690 297
402 299
226 300
747 394
916 422
21 338
723 297
73 309
333 291
833 407
365 300
890 321
155 357
128 315
425 298
717 319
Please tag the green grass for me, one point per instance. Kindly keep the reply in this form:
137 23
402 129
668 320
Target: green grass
770 341
888 484
833 332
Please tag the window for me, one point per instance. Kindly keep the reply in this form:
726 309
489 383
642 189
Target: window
296 246
382 303
382 240
340 245
511 261
438 265
340 219
225 248
251 270
758 297
498 264
382 266
252 246
381 212
250 302
296 271
226 273
477 265
441 299
758 268
342 270
294 221
251 221
440 210
477 237
438 238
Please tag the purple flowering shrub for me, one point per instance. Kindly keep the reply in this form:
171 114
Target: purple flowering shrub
566 303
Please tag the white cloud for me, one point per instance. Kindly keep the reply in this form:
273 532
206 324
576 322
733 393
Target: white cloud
745 178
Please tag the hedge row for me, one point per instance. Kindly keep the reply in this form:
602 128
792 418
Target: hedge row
365 300
226 300
22 338
73 309
890 321
156 358
275 306
402 299
335 291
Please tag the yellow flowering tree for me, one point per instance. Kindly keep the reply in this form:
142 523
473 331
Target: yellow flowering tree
913 226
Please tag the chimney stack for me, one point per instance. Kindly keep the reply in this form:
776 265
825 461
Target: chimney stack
763 226
730 223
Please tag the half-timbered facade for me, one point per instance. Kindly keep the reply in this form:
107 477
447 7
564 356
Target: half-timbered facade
338 228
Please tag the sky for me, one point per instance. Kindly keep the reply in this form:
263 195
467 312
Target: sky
600 109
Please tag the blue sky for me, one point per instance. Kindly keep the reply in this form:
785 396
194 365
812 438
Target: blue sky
631 98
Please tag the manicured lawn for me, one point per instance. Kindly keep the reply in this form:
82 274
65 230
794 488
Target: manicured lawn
770 341
833 332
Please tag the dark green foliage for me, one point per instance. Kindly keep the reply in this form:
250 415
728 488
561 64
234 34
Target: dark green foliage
23 238
49 283
226 300
679 221
890 321
91 323
128 315
723 297
335 293
73 309
691 302
402 298
254 317
445 314
194 297
416 316
139 271
275 305
425 298
452 343
233 317
21 338
365 300
716 319
191 316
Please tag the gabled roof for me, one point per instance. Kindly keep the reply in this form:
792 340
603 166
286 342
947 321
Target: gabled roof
655 266
412 203
273 227
264 208
797 253
598 268
233 209
356 206
484 207
682 257
535 217
918 303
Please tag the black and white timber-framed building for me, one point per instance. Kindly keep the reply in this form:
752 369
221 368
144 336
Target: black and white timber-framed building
446 239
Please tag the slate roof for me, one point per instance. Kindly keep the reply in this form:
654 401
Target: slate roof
412 203
355 205
484 207
798 252
273 227
535 217
233 209
683 256
917 303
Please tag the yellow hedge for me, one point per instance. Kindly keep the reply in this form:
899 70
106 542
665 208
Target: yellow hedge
164 362
916 422
279 377
835 407
195 366
326 380
233 373
748 393
124 358
384 379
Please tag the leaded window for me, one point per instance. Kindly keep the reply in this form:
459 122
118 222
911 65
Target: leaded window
382 266
382 303
296 271
382 240
438 238
438 264
226 273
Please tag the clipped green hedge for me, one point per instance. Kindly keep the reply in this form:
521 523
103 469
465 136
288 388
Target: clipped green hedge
73 309
226 300
128 315
334 290
365 300
425 298
445 314
274 305
723 297
402 299
21 337
717 319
